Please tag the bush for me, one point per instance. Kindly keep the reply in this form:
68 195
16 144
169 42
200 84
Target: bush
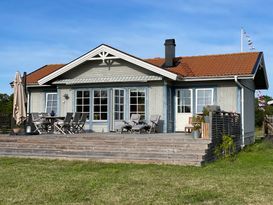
226 148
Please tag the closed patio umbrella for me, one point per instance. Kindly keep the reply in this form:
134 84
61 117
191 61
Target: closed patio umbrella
19 100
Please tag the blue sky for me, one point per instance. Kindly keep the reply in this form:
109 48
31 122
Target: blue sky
37 32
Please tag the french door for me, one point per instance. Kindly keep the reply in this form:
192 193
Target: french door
118 107
183 108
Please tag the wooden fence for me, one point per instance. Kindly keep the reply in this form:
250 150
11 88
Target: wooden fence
223 123
5 123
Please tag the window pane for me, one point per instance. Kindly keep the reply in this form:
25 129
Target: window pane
141 108
121 93
141 100
79 109
103 93
86 101
117 116
133 108
116 99
96 116
96 93
187 109
133 100
133 93
103 100
121 116
86 93
104 108
141 93
79 93
103 116
79 101
97 108
96 101
122 100
86 109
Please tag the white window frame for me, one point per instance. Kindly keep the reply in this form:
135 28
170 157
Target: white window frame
76 97
145 99
196 94
178 90
53 93
114 103
93 105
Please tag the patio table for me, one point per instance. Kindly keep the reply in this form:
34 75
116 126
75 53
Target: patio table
51 120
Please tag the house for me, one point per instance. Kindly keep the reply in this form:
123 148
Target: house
110 85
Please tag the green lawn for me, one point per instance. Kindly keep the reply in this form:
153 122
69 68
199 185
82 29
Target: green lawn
247 180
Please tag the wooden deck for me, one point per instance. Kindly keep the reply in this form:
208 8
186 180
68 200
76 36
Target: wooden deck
109 147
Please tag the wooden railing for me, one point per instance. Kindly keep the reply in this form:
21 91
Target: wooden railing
268 125
223 123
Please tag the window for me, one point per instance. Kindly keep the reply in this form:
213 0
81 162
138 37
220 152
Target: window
51 102
137 102
83 102
184 101
100 102
119 104
203 97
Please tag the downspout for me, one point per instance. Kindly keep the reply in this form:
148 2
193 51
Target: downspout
242 109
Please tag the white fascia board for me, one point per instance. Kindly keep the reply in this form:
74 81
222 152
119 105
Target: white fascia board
114 52
143 64
215 78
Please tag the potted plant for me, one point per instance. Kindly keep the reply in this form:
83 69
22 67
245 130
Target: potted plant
196 130
205 115
16 129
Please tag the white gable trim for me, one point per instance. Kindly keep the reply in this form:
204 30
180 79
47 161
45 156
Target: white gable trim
102 51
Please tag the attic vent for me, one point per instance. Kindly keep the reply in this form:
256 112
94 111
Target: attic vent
169 52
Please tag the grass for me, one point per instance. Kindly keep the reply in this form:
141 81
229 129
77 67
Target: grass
245 180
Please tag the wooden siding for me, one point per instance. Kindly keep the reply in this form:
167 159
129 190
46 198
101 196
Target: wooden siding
65 105
99 69
249 106
155 104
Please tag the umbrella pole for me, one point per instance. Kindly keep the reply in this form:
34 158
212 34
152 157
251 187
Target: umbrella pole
25 89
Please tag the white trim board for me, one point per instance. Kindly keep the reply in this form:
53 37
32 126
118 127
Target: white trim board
103 51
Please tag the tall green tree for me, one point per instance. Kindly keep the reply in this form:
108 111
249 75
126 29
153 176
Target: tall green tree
6 103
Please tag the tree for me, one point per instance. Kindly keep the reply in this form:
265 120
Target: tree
260 112
6 103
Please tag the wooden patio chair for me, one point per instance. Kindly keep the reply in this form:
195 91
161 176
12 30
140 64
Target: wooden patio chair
148 127
63 126
80 125
75 121
127 126
189 126
40 124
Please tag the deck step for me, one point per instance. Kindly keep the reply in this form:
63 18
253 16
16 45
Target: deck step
173 149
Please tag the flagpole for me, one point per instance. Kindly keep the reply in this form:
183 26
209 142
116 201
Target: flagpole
242 36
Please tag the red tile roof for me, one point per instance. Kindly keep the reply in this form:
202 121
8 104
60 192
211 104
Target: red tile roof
32 78
212 65
188 66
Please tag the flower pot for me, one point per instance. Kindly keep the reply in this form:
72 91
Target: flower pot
196 134
16 130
